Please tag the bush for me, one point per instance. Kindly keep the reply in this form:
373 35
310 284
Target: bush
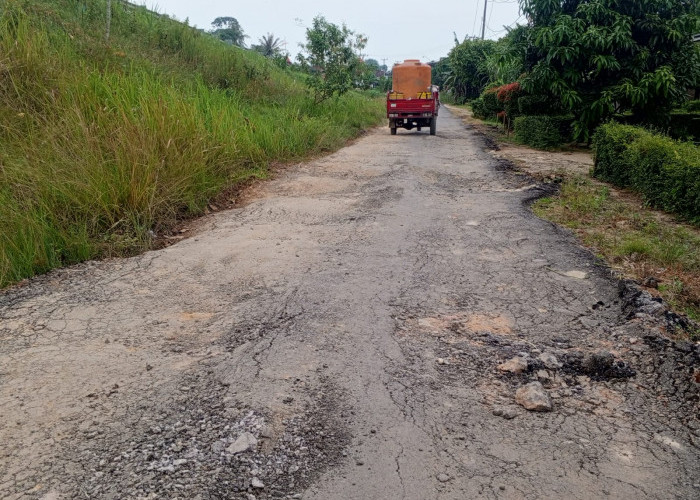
492 106
610 143
542 132
666 172
508 97
479 108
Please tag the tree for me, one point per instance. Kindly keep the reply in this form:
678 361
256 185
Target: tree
506 63
330 55
440 72
268 45
468 70
601 57
370 74
229 30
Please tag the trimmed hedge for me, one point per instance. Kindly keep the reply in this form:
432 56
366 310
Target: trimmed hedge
666 172
610 144
541 131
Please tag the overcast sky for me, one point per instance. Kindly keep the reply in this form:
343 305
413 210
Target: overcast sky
397 30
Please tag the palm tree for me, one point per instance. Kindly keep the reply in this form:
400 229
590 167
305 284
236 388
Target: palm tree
269 45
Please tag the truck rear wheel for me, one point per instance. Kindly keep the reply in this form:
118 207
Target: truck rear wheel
433 125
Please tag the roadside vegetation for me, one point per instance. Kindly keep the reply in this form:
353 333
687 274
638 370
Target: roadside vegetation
587 60
640 243
105 144
620 78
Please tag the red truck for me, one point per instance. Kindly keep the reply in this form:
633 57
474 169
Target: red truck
409 112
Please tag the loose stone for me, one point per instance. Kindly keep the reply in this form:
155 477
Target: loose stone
550 360
533 397
514 365
244 442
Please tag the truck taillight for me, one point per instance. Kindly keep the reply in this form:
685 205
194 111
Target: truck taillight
393 115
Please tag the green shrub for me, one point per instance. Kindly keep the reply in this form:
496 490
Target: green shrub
542 132
693 106
666 172
478 108
492 106
487 106
610 143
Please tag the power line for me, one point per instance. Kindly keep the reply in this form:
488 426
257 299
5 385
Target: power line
505 28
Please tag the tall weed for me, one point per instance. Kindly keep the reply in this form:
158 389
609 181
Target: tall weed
103 145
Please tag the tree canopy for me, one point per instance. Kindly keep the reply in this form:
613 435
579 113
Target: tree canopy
331 56
229 30
600 57
468 71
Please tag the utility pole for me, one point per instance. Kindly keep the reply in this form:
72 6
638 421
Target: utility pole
483 21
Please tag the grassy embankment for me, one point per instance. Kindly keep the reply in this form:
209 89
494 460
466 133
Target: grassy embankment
103 144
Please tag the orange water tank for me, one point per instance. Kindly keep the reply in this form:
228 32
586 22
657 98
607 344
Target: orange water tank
410 77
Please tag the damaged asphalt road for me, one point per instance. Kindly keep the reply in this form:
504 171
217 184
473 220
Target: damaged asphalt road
358 330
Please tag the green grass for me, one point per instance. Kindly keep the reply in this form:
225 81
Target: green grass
632 238
103 144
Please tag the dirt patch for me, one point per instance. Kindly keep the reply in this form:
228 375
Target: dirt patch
457 327
543 165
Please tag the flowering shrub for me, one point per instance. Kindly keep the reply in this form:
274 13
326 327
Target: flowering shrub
508 92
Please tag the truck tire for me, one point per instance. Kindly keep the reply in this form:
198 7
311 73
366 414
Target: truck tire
433 125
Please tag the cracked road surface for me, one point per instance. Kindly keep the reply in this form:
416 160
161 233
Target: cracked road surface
338 337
